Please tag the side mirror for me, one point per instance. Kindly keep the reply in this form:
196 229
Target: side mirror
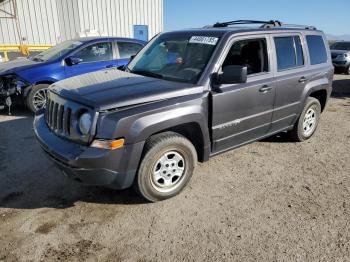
73 60
232 74
132 57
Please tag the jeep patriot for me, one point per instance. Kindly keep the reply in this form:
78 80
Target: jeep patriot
186 96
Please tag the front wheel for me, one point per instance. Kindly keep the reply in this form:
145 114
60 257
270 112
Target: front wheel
36 98
166 167
308 121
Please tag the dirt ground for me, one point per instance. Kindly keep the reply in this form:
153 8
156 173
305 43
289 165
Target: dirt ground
269 201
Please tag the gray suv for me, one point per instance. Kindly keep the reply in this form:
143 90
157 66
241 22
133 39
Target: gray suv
340 52
186 96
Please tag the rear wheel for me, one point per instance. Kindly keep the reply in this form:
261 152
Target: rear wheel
347 71
166 167
36 98
308 121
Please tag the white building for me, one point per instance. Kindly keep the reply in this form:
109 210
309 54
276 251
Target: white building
47 22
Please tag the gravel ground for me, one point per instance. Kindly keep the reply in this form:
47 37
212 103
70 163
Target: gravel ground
269 201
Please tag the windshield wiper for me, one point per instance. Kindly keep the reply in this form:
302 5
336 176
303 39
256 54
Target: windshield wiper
146 73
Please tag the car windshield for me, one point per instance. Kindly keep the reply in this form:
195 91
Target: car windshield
57 51
179 58
341 46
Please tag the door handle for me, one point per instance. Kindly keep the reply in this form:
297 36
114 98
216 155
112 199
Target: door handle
302 79
265 88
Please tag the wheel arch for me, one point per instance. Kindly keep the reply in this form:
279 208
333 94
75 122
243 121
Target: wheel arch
321 96
193 132
188 120
29 88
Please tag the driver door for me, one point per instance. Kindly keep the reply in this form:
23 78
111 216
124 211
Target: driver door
242 113
93 57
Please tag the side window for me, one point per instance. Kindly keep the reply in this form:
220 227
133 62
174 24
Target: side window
127 49
96 52
289 52
317 49
251 53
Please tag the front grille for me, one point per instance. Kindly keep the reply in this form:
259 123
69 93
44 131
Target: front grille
58 117
334 56
62 115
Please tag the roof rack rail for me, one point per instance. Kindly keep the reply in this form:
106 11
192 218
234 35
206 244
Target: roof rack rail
264 24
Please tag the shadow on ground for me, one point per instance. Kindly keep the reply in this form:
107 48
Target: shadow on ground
28 179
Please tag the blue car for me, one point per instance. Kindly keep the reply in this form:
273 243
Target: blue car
26 80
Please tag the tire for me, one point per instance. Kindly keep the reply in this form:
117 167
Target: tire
310 116
166 167
36 92
347 70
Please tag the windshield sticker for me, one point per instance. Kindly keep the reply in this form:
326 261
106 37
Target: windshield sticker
206 40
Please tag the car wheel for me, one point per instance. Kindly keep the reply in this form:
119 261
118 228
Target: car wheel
308 121
166 167
347 71
36 98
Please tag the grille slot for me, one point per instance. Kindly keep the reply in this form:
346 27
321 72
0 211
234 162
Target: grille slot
54 116
67 121
60 118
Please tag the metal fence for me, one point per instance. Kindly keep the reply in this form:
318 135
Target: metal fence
47 22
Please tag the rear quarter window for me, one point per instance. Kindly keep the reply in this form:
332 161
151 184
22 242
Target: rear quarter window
289 52
317 49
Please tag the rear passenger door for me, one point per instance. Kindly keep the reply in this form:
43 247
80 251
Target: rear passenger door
292 74
126 49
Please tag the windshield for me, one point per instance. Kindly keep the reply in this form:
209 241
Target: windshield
341 46
180 58
57 51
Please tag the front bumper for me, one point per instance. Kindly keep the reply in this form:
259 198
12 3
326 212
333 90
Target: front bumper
341 63
92 166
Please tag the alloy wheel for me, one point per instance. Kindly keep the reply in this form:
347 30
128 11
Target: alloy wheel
39 98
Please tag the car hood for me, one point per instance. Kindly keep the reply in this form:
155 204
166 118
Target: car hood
339 52
17 64
113 88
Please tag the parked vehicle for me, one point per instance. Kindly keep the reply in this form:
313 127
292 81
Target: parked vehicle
188 95
341 56
27 80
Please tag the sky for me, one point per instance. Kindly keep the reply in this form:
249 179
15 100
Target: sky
330 16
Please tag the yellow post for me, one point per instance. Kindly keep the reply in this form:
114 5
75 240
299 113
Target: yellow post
6 58
24 49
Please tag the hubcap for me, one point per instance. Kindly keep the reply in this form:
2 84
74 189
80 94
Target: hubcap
168 171
39 98
309 122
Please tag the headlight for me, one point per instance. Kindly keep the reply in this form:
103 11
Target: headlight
85 122
343 56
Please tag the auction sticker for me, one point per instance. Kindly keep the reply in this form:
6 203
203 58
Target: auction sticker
206 40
